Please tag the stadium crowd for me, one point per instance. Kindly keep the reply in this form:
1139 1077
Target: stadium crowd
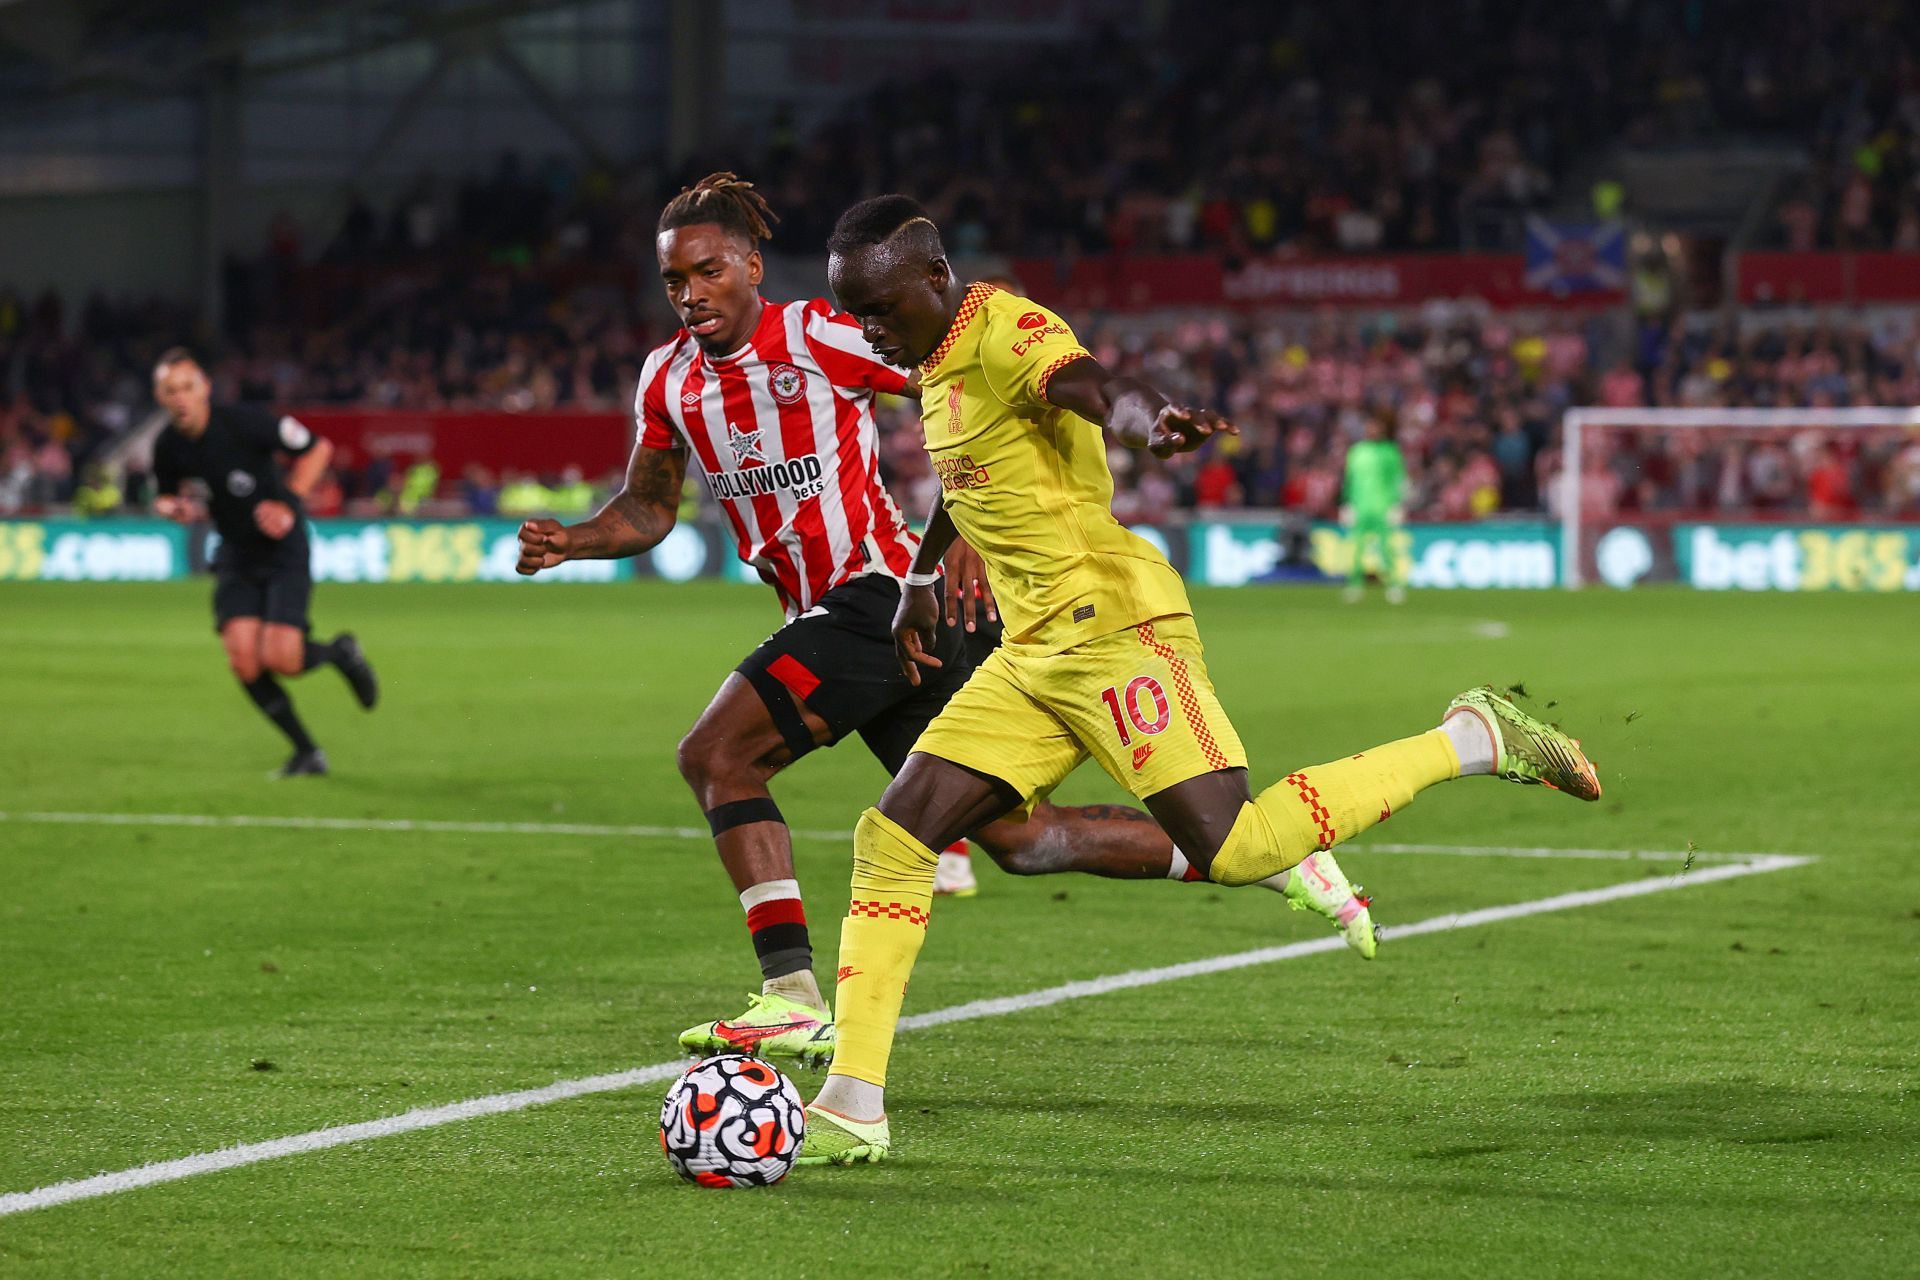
1476 404
1252 132
519 289
1475 400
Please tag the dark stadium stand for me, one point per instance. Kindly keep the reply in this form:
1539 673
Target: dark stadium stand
524 288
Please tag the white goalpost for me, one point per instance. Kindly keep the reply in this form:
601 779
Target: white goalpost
1578 423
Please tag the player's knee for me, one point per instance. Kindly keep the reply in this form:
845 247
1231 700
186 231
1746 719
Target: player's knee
1018 856
284 663
695 758
706 758
244 663
885 854
1022 862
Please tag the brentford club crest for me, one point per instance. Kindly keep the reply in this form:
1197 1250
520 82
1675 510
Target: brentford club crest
787 383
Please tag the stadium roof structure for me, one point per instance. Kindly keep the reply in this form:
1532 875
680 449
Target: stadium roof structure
216 96
50 48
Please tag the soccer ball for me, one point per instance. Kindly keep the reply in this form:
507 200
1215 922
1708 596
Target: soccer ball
732 1121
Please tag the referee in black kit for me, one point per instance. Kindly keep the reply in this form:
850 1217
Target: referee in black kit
263 577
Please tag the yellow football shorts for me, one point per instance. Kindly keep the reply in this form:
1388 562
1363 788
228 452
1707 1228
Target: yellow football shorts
1139 701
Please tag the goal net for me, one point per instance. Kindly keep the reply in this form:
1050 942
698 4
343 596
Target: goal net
1740 499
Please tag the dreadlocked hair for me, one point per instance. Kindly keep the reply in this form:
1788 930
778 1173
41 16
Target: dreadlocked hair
726 200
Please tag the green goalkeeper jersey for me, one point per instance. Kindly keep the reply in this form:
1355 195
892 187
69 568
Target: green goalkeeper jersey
1376 477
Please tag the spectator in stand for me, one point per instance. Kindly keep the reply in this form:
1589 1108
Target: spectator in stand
421 483
1217 484
1830 486
479 490
329 496
98 494
522 494
573 496
1513 454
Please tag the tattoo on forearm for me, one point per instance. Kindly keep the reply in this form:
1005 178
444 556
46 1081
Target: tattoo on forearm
633 517
640 514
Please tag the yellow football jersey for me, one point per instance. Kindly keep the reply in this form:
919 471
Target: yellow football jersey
1027 482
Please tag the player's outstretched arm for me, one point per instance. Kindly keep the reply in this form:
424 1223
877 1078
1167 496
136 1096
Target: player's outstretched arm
1137 415
633 521
918 616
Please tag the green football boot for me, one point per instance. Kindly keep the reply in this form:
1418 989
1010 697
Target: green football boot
831 1138
1317 884
772 1027
1530 751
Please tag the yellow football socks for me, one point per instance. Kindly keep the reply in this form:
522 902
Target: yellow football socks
886 923
1319 807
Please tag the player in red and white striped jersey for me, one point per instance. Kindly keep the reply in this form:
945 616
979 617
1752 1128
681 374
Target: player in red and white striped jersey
775 403
782 426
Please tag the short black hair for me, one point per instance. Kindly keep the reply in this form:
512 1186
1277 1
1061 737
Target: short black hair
175 355
726 200
877 221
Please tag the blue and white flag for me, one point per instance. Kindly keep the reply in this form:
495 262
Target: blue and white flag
1574 257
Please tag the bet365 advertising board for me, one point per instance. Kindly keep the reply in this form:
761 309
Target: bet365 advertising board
1494 554
1761 557
1489 554
92 551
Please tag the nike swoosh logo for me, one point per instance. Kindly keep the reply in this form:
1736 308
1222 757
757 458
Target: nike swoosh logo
754 1035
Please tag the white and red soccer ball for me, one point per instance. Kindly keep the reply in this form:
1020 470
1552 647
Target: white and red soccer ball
732 1121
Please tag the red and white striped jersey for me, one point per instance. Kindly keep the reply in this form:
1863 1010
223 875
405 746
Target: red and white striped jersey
783 429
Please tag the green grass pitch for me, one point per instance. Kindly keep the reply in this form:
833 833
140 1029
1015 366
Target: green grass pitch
1714 1080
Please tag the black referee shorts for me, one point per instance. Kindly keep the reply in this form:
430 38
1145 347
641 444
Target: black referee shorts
838 659
276 590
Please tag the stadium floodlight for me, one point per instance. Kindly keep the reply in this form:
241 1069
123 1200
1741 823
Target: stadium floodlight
1585 453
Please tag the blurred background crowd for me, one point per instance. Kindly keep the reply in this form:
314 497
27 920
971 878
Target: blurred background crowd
529 286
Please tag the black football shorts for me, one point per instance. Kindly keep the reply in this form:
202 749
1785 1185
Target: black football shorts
838 659
274 590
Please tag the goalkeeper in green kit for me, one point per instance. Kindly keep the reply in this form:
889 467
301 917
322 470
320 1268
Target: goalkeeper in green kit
1373 505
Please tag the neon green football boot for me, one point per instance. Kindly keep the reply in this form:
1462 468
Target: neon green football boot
832 1138
772 1027
1529 751
1317 884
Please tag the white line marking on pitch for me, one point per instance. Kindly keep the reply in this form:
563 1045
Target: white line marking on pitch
496 1104
1600 855
297 823
381 824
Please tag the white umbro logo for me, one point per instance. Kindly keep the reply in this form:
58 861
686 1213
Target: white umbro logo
689 399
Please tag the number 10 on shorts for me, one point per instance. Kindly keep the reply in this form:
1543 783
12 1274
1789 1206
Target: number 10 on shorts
1125 707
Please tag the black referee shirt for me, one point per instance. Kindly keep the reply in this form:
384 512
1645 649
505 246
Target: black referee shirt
234 455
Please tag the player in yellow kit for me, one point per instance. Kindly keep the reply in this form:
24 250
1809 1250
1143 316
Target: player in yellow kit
1100 657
